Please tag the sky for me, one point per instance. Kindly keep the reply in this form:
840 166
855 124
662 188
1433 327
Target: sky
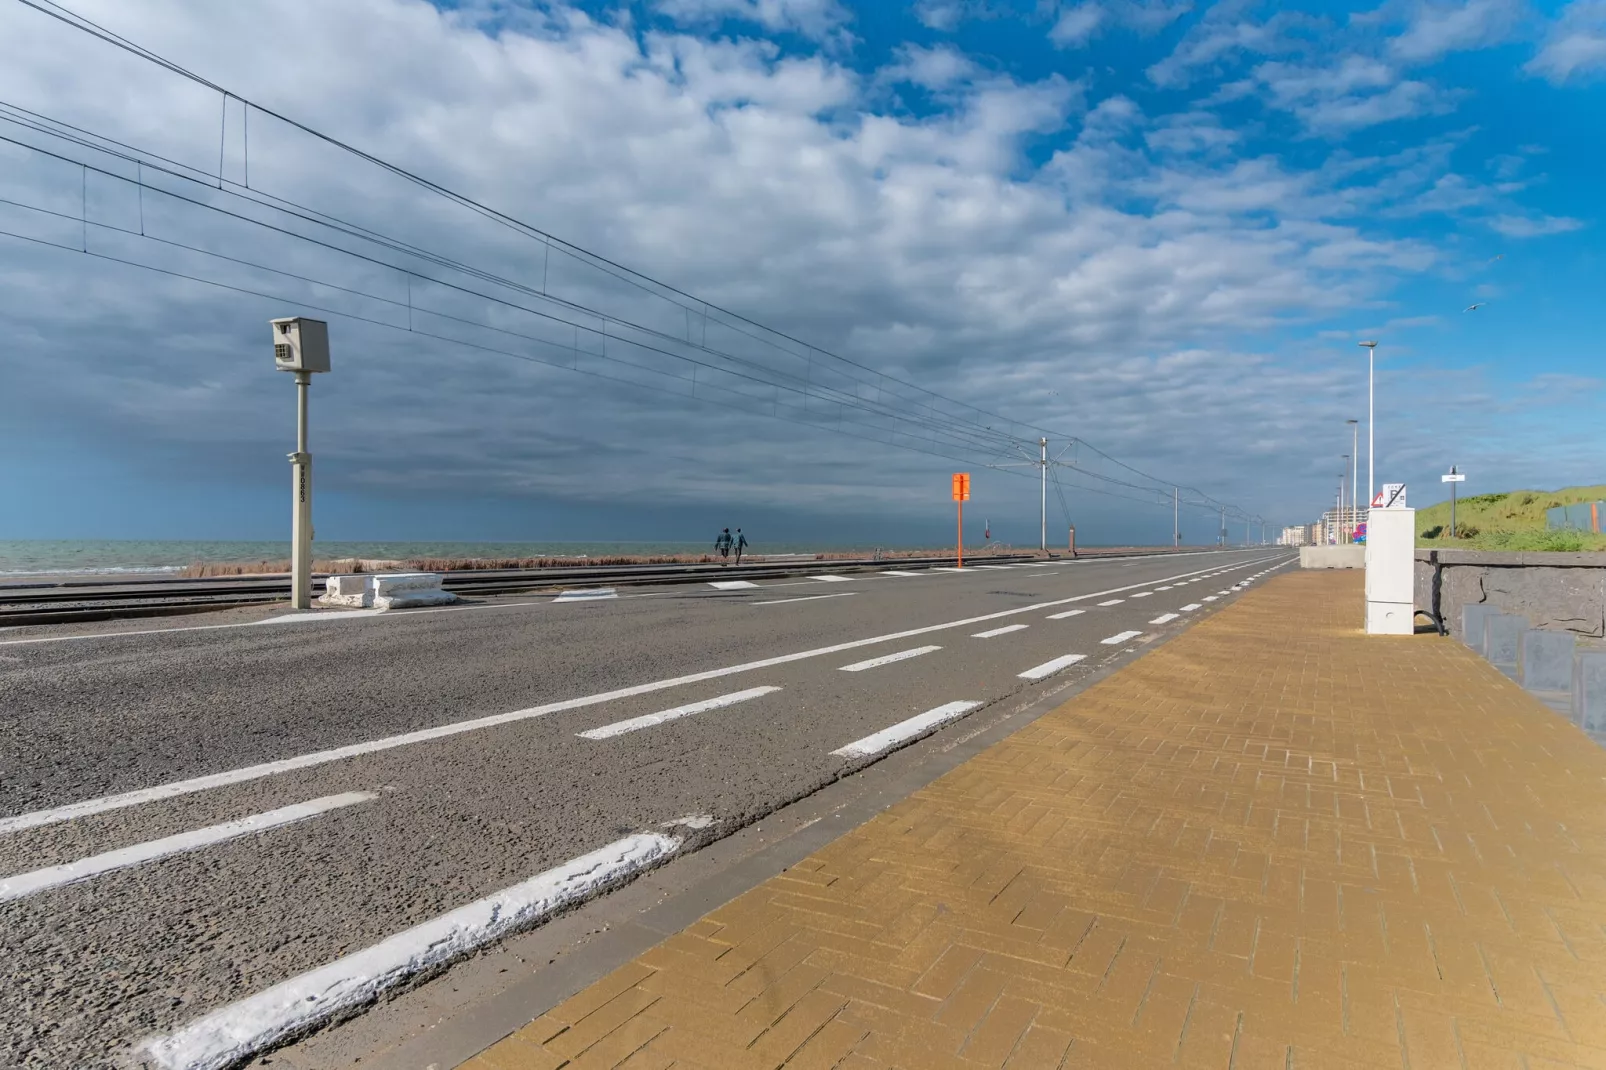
1159 227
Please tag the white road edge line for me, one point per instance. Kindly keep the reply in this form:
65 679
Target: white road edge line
731 585
84 808
832 579
1165 618
904 731
888 659
636 724
237 1031
1049 668
805 598
1120 637
583 594
1005 630
23 885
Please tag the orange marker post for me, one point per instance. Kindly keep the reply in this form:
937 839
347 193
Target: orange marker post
961 495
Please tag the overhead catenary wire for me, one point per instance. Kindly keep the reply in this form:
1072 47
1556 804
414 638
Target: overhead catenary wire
946 427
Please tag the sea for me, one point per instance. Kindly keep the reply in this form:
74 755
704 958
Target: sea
53 557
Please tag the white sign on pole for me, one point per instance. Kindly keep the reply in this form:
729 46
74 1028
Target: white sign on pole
1457 477
1391 497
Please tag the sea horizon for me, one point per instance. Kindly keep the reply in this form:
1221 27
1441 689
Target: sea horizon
48 557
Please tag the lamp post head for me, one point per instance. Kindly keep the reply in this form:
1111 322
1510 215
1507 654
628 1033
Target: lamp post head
1352 421
1368 345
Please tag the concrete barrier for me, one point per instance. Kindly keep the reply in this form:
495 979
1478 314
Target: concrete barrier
1502 637
1472 618
1545 660
1589 690
399 590
353 591
1332 557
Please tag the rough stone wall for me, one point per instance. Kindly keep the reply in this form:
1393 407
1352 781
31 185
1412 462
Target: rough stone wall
1569 594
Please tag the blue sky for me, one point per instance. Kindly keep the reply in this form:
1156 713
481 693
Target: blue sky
1161 227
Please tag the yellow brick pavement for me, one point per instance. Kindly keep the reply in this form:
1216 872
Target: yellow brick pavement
1272 842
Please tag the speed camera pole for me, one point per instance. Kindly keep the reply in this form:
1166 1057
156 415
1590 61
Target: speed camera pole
301 346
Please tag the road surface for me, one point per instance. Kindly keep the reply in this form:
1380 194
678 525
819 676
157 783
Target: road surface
191 815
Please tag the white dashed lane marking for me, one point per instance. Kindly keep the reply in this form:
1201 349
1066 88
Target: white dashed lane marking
1120 637
1049 668
1067 613
1164 618
1112 602
1005 630
888 659
905 730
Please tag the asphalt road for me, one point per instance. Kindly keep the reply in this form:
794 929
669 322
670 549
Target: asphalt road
411 828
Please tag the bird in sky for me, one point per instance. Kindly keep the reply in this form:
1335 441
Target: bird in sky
1474 308
1492 259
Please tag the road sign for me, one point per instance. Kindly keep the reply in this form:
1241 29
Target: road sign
1454 477
961 486
1392 496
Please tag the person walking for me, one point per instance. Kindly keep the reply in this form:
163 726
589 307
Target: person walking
741 544
722 545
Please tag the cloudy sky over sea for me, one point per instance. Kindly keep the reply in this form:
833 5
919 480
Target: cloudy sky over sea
1160 227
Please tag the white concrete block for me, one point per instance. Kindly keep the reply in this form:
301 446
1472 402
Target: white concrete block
1352 556
354 591
401 590
1390 618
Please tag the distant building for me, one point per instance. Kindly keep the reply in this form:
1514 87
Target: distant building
1294 536
1338 525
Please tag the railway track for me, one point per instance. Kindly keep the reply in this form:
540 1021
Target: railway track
70 601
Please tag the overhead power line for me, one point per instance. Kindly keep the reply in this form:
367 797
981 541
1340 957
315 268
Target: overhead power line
711 353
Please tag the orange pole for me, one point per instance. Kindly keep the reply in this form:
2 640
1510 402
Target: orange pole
961 563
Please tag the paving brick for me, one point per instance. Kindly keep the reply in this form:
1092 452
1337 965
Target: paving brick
1272 840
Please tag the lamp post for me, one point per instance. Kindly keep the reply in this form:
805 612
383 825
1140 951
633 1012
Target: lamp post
1354 462
1371 421
1343 478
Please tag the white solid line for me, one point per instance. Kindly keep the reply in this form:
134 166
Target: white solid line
1143 594
296 618
596 594
636 724
1120 637
905 730
898 572
992 566
1113 602
1006 629
235 1032
84 808
1164 618
806 598
1067 613
831 579
26 884
888 659
1049 668
1190 607
945 568
731 585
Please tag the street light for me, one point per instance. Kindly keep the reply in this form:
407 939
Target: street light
1371 418
1343 478
1354 462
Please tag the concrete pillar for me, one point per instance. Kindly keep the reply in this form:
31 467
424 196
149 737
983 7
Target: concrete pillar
1502 640
1545 660
1589 690
1472 618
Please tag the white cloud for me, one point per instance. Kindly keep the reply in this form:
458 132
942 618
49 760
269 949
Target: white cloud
1076 25
1221 36
1515 226
818 19
1119 274
1437 28
930 68
1575 45
1355 92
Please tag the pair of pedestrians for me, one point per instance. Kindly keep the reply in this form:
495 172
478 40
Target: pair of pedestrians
726 543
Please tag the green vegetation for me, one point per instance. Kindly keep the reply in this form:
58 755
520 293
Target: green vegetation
1511 521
